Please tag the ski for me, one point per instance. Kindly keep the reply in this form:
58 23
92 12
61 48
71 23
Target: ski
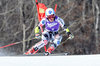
52 54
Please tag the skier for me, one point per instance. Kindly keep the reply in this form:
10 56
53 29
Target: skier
50 34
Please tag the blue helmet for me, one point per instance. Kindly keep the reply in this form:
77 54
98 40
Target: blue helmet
49 12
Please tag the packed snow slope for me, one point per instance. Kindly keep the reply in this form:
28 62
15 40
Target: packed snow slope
73 60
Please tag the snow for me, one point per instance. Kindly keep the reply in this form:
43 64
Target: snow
71 60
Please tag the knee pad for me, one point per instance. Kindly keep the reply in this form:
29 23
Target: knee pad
54 45
58 40
44 37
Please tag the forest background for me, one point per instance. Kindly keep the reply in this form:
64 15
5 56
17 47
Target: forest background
18 18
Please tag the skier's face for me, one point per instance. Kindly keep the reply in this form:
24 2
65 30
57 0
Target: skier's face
51 18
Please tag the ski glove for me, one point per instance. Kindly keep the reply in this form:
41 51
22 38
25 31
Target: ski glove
37 35
36 30
70 36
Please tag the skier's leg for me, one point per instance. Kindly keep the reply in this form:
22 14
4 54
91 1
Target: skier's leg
40 44
56 43
33 48
43 42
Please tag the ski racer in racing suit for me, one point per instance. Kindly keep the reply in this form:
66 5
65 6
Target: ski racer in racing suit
52 24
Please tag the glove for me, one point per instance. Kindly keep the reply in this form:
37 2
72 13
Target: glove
70 36
36 30
37 35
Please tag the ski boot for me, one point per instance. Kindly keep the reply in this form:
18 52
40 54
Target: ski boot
31 51
46 53
49 50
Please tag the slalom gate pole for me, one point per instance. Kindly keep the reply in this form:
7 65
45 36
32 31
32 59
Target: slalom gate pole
16 43
39 20
8 45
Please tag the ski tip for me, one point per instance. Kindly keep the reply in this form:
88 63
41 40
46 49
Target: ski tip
26 53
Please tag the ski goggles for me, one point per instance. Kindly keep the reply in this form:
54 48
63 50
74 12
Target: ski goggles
51 16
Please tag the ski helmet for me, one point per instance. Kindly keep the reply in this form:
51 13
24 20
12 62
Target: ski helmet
49 12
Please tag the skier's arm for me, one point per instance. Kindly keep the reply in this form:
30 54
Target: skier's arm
62 24
40 25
